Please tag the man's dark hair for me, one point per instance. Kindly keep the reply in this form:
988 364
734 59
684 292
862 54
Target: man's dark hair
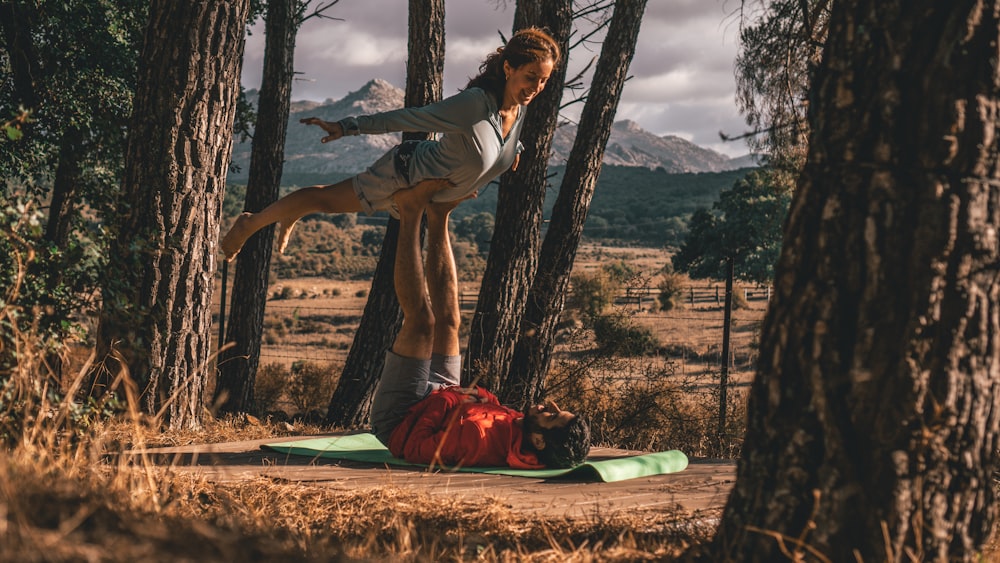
567 446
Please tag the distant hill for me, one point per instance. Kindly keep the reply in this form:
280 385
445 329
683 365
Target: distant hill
629 145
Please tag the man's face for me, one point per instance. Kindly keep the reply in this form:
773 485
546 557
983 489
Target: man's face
547 415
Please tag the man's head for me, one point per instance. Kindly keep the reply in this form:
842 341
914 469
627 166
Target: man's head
559 438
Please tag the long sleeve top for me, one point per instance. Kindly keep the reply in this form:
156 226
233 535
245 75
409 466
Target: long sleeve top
449 429
471 150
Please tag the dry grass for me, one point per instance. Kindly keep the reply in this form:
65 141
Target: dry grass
75 494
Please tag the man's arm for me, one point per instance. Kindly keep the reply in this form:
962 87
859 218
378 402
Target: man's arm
435 419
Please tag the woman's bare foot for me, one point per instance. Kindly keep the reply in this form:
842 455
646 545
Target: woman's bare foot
284 232
237 236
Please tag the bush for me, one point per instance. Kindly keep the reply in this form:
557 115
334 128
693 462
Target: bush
636 404
311 385
671 291
617 334
593 294
269 387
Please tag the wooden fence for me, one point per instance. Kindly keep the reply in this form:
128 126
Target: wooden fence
704 294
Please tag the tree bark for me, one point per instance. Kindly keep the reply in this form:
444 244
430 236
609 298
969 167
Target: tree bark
234 391
513 256
382 317
873 425
524 381
727 324
155 322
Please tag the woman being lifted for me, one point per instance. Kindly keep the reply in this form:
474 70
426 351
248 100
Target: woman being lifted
480 127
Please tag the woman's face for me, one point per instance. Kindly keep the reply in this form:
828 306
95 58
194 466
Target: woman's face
526 81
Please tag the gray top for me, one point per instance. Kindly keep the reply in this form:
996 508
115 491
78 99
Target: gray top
471 150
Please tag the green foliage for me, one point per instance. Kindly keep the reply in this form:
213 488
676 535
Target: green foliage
47 290
774 67
593 294
31 403
617 334
746 230
476 228
631 205
621 272
75 72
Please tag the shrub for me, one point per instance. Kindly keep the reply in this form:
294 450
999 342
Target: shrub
671 288
593 294
311 385
617 334
269 387
634 403
361 293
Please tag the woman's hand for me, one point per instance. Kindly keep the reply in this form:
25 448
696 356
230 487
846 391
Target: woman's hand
517 160
332 127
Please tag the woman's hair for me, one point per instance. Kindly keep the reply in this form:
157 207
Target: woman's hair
526 46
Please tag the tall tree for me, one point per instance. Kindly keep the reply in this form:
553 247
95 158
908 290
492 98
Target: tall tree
872 424
238 363
382 316
513 256
780 47
743 242
155 322
524 380
67 71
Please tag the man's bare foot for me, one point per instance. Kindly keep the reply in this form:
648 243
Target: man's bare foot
443 208
237 235
414 200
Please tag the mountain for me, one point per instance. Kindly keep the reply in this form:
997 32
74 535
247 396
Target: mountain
628 145
631 145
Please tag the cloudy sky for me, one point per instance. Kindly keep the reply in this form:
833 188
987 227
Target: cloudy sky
682 74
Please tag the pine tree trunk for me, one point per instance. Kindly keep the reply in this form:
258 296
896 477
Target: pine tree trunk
513 256
156 320
873 425
727 325
234 391
523 384
382 317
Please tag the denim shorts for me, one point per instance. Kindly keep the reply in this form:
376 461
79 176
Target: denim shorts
390 173
404 382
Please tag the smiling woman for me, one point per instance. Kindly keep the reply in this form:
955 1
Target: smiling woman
480 128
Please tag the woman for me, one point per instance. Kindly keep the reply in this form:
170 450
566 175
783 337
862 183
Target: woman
480 127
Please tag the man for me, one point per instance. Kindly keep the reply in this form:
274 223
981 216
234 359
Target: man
419 410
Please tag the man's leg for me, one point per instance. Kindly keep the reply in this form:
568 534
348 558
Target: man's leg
407 366
442 280
442 284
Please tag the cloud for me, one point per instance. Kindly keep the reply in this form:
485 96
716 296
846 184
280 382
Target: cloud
682 73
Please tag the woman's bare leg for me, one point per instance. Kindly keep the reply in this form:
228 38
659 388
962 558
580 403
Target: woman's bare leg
334 198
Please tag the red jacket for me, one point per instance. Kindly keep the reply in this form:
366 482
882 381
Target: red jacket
451 428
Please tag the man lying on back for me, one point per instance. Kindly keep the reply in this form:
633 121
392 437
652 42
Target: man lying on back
419 409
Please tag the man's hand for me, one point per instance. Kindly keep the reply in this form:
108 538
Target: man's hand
471 394
332 127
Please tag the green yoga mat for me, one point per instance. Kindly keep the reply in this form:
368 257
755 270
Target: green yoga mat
366 447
